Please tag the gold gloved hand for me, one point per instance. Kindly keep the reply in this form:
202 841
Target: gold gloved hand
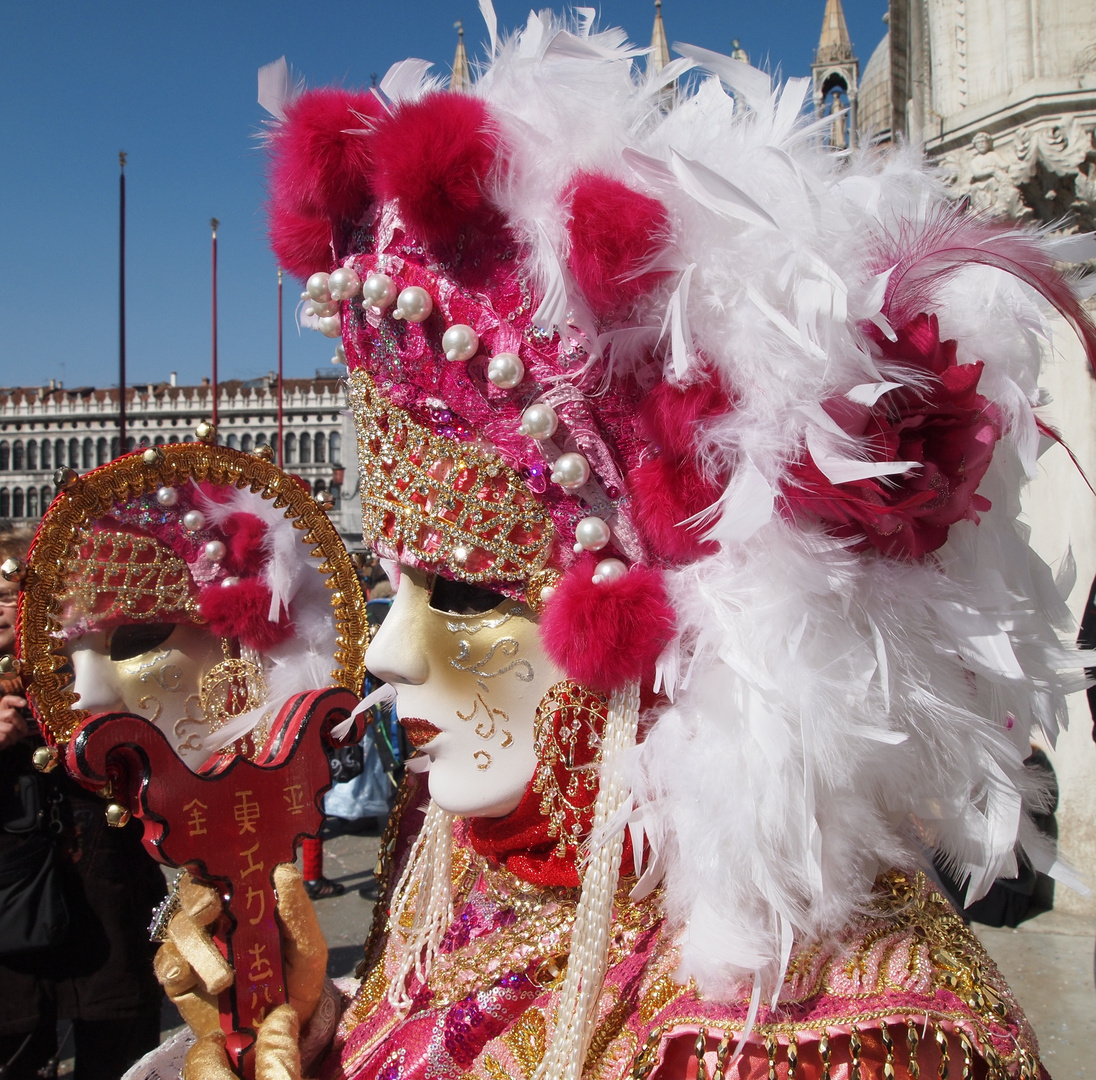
193 971
277 1056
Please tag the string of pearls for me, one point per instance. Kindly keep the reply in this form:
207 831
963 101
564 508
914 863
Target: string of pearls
588 963
427 883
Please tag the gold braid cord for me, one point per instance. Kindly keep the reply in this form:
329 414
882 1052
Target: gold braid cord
66 527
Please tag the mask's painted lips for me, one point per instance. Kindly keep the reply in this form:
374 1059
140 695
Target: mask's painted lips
419 732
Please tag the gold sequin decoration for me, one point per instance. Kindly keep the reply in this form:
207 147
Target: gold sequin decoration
527 1039
67 524
442 501
663 990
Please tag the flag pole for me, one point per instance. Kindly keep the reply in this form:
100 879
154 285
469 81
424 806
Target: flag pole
213 223
121 303
281 437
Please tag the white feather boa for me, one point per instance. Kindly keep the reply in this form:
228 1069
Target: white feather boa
833 713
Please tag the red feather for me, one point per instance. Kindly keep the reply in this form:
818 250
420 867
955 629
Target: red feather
434 157
301 243
240 611
923 262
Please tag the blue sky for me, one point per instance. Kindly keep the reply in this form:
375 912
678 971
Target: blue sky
174 85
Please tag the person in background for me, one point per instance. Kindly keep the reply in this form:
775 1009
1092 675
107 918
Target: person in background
99 973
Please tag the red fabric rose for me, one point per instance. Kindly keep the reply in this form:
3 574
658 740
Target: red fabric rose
944 424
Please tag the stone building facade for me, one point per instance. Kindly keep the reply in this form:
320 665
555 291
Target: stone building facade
50 427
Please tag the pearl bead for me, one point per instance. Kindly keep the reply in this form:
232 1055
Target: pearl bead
414 305
506 370
539 421
323 311
459 342
343 283
317 289
591 534
193 520
229 582
330 326
167 496
570 471
215 551
609 570
379 291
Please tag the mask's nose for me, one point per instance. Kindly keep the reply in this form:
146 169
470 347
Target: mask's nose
95 679
398 654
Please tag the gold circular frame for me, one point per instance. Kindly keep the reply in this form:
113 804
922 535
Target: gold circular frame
44 663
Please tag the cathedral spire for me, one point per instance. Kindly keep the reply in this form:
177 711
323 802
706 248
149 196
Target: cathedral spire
460 79
659 55
836 76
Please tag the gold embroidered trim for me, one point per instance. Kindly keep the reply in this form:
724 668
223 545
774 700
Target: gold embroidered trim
443 502
67 524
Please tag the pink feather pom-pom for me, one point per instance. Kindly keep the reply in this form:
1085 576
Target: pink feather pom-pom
240 611
607 635
616 233
434 156
664 496
320 154
301 242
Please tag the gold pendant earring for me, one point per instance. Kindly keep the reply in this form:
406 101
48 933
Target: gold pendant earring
232 687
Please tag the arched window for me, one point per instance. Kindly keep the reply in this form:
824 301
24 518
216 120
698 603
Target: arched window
18 456
306 449
320 453
131 443
59 454
290 450
188 438
114 447
17 506
232 442
87 453
102 451
74 453
32 502
47 454
334 445
145 443
32 454
260 439
5 457
47 498
246 443
5 503
158 441
319 487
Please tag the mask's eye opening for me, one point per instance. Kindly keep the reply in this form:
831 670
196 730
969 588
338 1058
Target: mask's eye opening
135 639
460 598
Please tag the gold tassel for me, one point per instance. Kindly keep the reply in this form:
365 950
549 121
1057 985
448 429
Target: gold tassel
770 1050
824 1053
721 1056
888 1043
942 1043
699 1048
793 1056
854 1052
968 1054
912 1040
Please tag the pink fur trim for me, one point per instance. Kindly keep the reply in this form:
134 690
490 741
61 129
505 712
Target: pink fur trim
606 636
301 242
320 155
434 156
243 535
664 496
669 415
616 233
239 611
